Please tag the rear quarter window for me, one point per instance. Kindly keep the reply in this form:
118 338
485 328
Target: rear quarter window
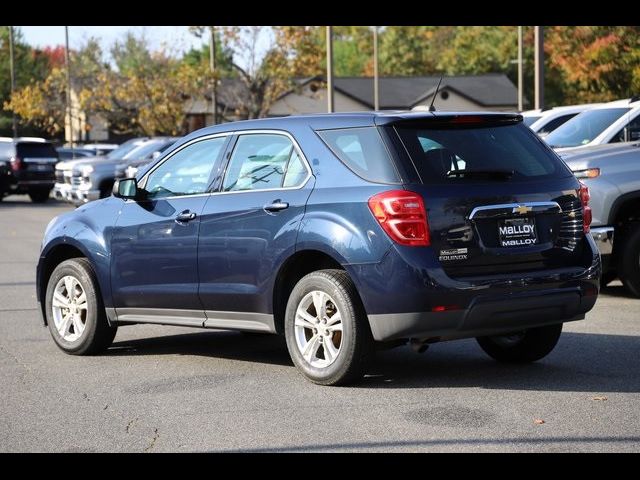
363 151
436 152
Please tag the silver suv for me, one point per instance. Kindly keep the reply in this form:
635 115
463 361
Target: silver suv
84 180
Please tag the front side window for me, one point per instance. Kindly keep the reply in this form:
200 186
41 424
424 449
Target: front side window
187 172
263 161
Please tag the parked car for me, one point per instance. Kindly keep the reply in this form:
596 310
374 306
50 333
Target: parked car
612 122
68 176
545 121
339 232
27 166
612 173
153 151
99 149
97 175
67 153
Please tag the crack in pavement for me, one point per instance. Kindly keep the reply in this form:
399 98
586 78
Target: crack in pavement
155 438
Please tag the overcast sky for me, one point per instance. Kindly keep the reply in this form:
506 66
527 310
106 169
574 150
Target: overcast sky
177 37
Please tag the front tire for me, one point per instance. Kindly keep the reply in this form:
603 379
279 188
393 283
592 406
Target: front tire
75 312
522 347
39 195
326 329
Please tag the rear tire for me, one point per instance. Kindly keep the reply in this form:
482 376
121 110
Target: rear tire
39 195
75 287
629 261
337 339
522 347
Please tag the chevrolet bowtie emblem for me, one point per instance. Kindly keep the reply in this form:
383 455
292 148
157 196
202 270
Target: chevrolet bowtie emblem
522 209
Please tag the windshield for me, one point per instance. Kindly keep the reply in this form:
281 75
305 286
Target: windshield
123 149
528 121
583 128
443 155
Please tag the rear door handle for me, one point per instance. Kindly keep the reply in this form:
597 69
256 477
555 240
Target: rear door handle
185 216
276 206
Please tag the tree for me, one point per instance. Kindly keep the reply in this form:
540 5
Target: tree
30 66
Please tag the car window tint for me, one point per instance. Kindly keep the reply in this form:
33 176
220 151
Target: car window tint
187 172
363 151
37 150
436 152
296 171
258 162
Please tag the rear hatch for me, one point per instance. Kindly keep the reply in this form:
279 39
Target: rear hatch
498 200
38 160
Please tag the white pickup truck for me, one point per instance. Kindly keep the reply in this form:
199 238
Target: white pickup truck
612 173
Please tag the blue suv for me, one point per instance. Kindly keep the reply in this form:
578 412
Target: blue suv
341 232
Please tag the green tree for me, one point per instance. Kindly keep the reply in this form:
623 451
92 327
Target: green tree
30 66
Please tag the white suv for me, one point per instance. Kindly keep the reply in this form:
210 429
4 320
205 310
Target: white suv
543 122
611 122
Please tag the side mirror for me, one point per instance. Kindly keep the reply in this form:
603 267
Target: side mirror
156 155
126 188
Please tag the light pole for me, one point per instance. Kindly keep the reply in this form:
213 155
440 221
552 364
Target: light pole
330 104
376 83
520 77
12 67
212 65
68 65
539 66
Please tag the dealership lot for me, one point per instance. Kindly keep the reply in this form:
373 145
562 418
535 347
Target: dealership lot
172 389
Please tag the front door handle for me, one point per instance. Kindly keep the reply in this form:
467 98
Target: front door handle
276 206
185 216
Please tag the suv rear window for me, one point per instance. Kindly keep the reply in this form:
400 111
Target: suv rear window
362 151
438 152
36 150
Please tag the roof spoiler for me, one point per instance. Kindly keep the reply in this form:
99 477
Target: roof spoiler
453 120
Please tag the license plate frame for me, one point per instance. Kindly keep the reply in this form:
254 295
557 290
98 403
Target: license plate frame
517 232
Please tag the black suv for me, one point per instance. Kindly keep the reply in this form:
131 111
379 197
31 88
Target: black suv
27 165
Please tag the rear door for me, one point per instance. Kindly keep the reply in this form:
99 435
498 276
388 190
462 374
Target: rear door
498 200
251 225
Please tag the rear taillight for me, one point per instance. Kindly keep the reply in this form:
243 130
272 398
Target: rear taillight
16 164
586 209
402 215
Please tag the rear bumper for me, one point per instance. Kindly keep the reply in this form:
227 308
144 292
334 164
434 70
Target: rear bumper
404 299
487 316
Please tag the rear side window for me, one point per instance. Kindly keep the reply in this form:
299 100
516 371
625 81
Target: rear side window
36 150
363 151
437 153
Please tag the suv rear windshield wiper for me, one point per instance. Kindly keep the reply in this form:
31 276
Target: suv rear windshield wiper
498 174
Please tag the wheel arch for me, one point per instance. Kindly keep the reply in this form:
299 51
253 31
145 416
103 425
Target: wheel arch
301 263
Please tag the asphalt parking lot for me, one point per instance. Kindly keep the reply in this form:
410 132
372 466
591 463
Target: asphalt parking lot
175 389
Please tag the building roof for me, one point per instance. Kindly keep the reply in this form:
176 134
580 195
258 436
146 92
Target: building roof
488 90
405 92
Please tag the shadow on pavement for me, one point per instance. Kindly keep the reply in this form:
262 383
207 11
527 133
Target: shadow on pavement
580 363
455 442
